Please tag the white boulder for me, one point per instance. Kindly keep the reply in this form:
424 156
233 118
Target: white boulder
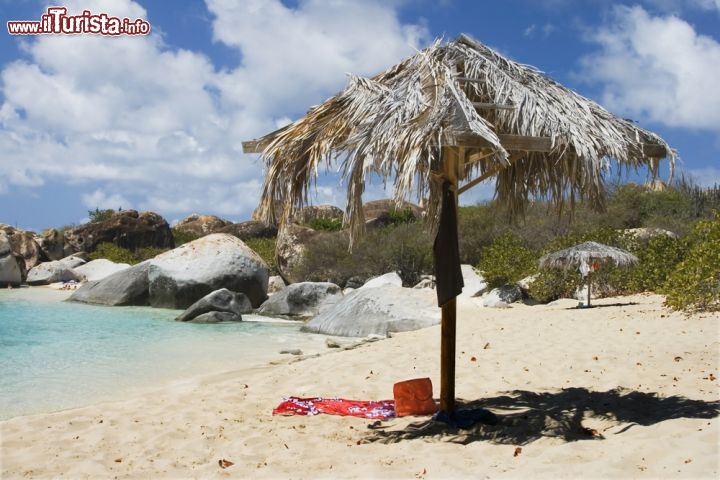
378 311
475 284
304 299
180 277
11 272
391 278
99 269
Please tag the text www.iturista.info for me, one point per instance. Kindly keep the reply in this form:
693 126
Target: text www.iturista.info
57 21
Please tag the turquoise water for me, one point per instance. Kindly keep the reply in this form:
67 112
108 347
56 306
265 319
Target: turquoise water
56 355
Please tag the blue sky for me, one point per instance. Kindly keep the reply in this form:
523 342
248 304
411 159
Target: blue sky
155 122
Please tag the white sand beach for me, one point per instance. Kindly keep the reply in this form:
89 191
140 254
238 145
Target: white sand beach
628 389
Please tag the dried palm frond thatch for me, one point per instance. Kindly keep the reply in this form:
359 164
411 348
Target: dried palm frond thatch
503 119
585 253
445 119
584 256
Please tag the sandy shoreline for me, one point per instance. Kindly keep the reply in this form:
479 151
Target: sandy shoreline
642 377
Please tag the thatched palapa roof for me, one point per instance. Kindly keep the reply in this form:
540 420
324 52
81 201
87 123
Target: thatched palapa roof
586 253
501 119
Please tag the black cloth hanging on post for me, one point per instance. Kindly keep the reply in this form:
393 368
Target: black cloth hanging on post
446 252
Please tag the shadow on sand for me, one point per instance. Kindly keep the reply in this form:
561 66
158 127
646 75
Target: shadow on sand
525 416
601 305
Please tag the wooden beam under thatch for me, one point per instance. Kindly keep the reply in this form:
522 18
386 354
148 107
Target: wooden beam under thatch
509 141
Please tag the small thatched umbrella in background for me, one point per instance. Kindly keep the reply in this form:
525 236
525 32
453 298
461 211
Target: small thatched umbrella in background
435 125
586 257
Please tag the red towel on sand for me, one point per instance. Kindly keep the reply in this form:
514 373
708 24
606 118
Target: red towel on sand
380 409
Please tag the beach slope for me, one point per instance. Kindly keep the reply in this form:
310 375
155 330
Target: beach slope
624 390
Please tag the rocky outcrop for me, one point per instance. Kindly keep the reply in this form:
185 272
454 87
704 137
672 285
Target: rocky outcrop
12 266
354 282
290 248
52 244
275 284
427 281
250 229
24 244
99 269
233 304
391 278
378 213
377 311
216 317
502 297
305 299
306 215
525 283
74 261
180 277
126 287
56 271
277 214
647 234
201 225
128 229
475 284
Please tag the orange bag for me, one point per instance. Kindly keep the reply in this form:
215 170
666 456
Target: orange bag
414 397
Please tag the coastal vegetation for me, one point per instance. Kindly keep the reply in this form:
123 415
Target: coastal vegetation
684 267
674 231
325 224
694 284
99 215
265 247
118 254
182 236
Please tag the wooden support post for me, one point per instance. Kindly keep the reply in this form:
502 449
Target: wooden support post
452 166
447 356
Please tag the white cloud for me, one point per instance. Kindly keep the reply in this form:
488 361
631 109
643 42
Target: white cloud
679 5
293 57
102 200
544 30
133 121
707 4
705 177
657 68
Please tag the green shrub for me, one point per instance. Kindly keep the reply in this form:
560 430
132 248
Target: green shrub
703 201
326 224
507 260
265 248
400 217
409 250
627 207
694 285
657 258
553 283
146 253
98 215
182 236
117 254
112 252
477 228
326 259
406 249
